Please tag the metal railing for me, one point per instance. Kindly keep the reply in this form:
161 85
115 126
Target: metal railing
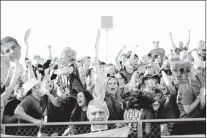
137 127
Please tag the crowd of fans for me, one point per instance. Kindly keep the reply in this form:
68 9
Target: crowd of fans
59 89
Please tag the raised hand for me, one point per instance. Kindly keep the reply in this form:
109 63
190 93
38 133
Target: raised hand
49 46
170 33
39 76
17 72
135 47
28 62
27 34
69 131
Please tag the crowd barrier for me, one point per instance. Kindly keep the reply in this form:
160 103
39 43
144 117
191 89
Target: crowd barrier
159 127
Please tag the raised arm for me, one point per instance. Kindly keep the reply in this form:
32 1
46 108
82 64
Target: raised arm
168 83
133 54
117 58
50 52
18 70
27 50
30 69
8 92
99 83
174 46
187 45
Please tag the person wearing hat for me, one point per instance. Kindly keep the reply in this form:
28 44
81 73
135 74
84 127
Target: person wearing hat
29 109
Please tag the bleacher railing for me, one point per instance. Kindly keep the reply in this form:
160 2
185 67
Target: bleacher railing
158 127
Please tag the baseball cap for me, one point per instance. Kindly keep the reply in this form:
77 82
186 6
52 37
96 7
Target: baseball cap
28 85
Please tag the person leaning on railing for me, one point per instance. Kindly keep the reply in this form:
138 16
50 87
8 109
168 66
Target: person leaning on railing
29 110
190 99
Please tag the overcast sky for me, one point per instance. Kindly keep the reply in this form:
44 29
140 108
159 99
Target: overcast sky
75 24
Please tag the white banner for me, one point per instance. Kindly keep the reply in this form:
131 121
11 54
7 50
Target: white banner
119 132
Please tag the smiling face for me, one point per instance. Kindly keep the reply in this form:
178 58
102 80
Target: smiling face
112 86
11 50
163 87
97 111
49 85
81 100
152 83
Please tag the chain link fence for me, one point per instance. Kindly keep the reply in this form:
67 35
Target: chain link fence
173 127
141 128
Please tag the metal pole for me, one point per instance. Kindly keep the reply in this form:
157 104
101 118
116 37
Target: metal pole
139 129
3 129
106 43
